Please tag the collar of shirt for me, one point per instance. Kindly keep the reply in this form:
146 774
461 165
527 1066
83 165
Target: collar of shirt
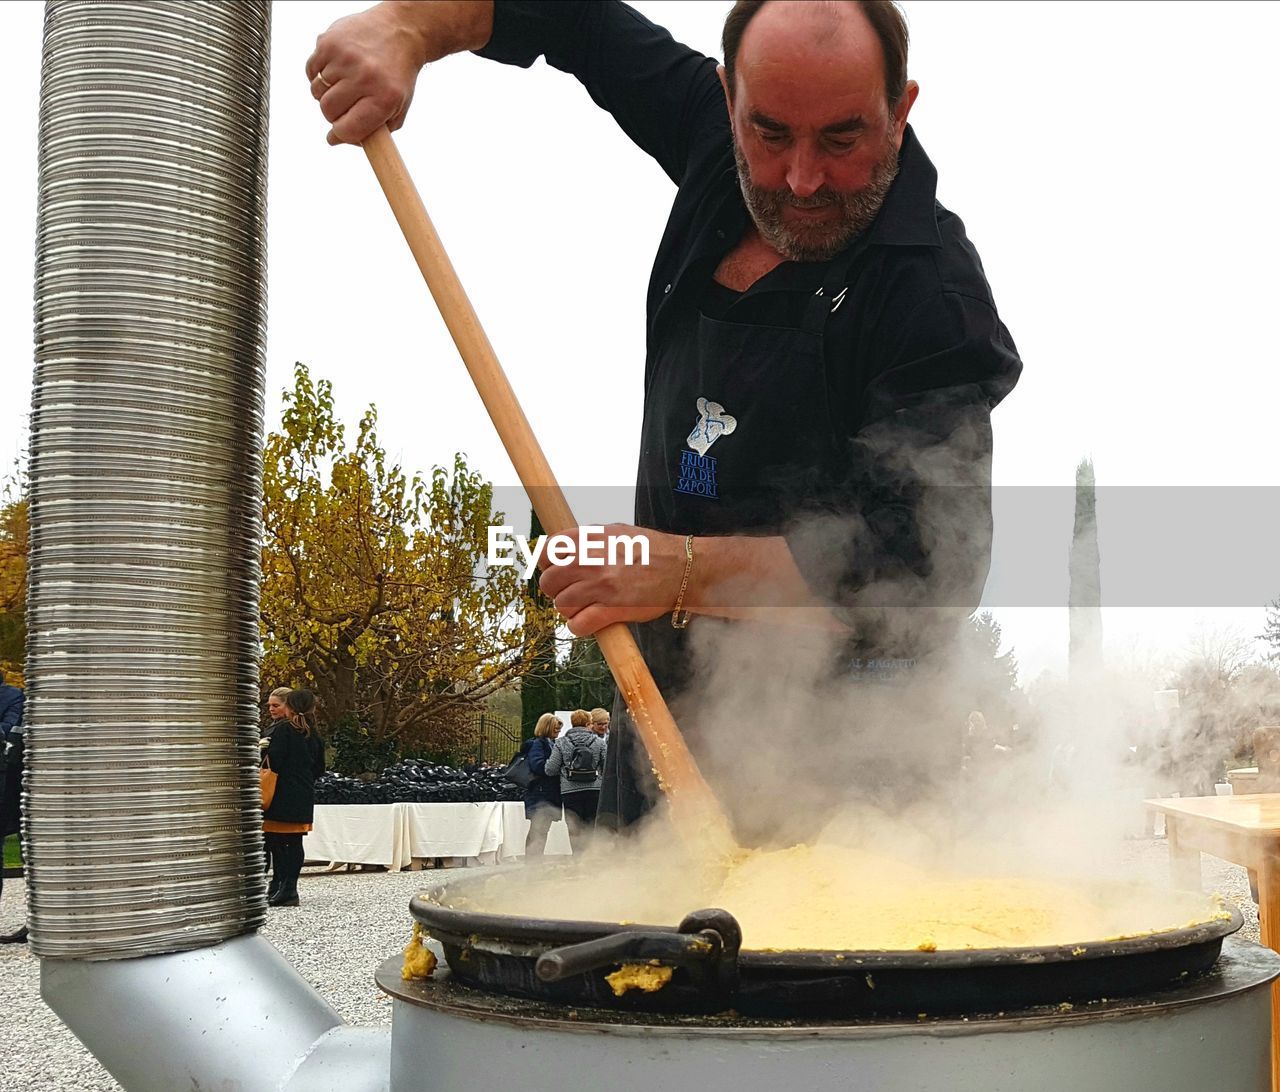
908 217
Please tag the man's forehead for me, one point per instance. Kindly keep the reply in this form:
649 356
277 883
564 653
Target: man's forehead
824 47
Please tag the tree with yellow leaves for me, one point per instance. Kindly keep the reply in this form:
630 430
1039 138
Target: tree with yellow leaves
14 527
374 588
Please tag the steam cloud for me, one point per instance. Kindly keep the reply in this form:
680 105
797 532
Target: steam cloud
857 740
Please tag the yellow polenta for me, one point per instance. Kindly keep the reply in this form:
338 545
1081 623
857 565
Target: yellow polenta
837 898
809 897
649 977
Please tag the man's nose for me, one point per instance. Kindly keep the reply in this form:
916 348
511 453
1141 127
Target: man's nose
804 172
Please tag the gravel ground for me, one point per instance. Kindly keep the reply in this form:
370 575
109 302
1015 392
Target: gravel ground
346 925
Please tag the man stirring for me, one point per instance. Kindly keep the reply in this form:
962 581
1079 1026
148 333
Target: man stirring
823 350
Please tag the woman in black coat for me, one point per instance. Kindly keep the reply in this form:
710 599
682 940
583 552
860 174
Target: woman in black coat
296 756
277 712
542 795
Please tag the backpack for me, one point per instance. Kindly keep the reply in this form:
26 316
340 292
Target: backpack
581 765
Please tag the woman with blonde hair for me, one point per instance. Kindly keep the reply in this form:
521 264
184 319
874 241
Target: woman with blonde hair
275 707
542 794
296 755
277 712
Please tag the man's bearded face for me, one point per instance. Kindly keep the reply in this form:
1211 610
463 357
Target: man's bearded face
818 240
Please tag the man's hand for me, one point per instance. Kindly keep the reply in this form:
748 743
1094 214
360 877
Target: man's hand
365 66
733 576
594 596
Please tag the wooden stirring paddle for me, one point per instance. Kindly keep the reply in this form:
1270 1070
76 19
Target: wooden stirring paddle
694 808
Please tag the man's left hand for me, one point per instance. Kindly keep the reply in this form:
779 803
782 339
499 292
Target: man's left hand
592 596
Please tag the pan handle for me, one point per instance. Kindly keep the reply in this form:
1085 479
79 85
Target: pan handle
631 947
706 944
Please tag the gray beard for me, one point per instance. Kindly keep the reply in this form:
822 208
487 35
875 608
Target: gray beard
817 242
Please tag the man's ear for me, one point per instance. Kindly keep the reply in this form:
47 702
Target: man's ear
900 112
724 84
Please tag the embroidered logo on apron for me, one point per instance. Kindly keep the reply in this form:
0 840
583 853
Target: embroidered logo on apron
713 423
697 468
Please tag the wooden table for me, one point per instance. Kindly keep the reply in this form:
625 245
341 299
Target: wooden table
1244 830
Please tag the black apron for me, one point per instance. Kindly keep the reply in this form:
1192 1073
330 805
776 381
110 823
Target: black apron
737 418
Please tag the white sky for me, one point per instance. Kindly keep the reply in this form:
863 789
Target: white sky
1114 164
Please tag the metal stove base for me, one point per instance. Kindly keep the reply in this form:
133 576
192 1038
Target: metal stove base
1213 1032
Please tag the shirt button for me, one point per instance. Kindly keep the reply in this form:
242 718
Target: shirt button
719 234
666 290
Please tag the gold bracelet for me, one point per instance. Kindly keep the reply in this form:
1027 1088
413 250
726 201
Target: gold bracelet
680 616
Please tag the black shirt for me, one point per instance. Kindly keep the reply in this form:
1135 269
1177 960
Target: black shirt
916 355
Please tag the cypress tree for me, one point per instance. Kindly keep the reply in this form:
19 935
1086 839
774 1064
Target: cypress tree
1085 595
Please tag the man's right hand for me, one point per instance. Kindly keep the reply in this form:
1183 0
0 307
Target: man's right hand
365 66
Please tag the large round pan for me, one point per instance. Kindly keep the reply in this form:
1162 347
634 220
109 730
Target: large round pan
567 961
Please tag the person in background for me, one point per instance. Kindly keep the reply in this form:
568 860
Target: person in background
600 722
11 702
11 753
578 757
277 712
977 742
296 754
600 725
276 708
542 794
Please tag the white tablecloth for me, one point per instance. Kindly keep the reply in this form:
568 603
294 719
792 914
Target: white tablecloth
394 834
454 830
359 834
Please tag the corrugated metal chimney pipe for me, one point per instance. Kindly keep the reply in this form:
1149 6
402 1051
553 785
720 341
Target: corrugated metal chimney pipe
146 478
142 822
